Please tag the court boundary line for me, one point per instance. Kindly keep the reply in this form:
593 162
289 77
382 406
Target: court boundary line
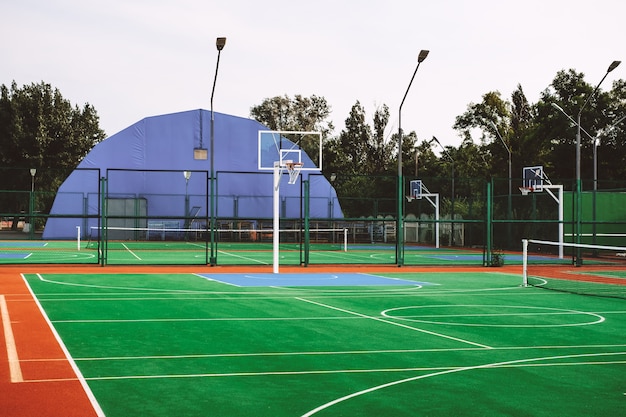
15 369
91 397
518 363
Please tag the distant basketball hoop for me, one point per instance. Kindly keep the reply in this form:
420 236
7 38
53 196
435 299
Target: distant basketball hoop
526 190
294 169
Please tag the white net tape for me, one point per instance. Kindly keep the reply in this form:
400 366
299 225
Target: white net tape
294 170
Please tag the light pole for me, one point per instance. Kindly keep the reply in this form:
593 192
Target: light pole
578 259
31 203
510 196
219 43
452 197
400 200
596 140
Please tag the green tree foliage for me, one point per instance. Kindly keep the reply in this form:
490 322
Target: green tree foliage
42 130
362 161
599 119
295 114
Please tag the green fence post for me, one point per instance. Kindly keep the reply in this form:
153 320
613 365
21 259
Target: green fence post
399 220
102 249
489 222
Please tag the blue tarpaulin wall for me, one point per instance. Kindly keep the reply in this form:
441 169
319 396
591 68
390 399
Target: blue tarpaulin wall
146 161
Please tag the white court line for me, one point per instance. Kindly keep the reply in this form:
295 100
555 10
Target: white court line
71 284
513 363
242 257
14 360
439 370
131 252
395 324
66 352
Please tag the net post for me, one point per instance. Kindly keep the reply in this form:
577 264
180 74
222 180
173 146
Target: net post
78 238
345 240
525 262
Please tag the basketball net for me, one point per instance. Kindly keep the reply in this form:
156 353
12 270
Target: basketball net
294 170
526 190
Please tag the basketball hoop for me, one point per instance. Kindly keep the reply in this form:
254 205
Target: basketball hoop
409 198
294 170
526 190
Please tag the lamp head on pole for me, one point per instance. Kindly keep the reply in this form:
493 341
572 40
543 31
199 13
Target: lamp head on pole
424 53
33 171
187 175
613 65
219 43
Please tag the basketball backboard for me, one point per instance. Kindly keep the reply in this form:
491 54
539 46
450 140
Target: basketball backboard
416 189
533 178
289 146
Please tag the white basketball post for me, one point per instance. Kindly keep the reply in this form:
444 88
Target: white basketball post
276 222
559 201
536 180
285 150
418 191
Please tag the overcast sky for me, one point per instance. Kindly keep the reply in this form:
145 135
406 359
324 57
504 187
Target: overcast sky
137 58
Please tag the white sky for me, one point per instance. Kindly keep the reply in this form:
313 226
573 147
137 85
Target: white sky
138 58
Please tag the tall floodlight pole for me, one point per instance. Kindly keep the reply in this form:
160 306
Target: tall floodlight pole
578 259
596 142
219 43
510 196
399 202
31 203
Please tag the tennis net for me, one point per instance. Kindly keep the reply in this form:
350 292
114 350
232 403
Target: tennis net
162 236
600 270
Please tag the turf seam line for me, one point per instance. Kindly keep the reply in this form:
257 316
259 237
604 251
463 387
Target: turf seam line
329 353
437 369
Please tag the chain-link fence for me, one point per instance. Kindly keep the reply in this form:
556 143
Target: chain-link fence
172 218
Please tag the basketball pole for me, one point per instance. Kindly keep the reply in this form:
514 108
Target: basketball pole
579 188
400 186
276 220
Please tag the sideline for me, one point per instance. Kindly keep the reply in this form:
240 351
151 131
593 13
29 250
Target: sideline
14 360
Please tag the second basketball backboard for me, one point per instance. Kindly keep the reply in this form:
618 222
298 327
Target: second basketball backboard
289 146
533 178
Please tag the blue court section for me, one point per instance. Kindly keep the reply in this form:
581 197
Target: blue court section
14 255
307 280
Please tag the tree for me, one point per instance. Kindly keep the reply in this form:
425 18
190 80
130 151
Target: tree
297 114
42 130
569 91
361 158
498 121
